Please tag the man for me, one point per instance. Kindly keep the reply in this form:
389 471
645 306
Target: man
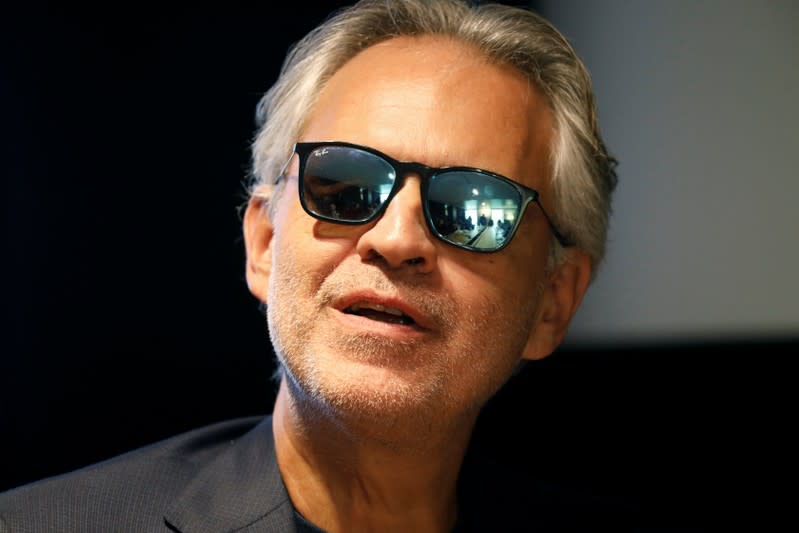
390 122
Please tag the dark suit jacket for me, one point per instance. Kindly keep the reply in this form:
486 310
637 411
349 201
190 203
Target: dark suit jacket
218 478
225 477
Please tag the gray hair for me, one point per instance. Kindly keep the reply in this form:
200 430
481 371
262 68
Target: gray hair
583 175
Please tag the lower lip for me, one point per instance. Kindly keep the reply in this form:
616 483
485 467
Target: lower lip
362 325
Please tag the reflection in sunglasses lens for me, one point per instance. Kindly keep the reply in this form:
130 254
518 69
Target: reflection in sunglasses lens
472 209
346 184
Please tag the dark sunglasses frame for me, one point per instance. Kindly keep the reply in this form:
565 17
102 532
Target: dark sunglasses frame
426 174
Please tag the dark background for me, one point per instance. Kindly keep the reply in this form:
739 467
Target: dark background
125 147
125 152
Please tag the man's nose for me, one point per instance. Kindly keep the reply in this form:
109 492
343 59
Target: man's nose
401 236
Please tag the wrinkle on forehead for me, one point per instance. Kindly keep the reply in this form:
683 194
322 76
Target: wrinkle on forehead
414 89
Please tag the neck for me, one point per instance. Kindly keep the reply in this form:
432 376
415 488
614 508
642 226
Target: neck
342 476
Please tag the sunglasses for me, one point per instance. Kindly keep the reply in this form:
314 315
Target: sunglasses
466 207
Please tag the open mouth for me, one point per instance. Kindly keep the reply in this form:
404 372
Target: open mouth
380 313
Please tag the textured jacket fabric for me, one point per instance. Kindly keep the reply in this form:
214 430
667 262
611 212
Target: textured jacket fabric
222 477
225 478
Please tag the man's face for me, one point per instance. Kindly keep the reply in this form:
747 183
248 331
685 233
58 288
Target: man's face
474 315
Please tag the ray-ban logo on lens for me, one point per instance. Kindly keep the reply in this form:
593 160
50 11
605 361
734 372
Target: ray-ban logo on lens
320 153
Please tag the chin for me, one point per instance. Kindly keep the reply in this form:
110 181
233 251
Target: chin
371 388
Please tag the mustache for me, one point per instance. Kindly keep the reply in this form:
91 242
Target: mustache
437 308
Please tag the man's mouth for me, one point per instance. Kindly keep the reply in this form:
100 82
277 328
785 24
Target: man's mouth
379 312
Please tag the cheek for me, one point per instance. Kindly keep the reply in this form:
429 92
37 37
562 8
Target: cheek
504 291
289 254
527 257
514 274
496 315
303 252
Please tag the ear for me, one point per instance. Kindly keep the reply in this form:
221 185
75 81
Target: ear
258 232
560 299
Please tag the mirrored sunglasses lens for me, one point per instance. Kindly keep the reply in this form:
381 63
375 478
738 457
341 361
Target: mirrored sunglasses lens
345 184
473 210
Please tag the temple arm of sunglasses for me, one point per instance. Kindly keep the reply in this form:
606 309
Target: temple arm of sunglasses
562 239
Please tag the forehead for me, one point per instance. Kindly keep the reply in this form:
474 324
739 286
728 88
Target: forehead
440 102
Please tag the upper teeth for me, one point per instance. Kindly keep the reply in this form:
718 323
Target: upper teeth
377 307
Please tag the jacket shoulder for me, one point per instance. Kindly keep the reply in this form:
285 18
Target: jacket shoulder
126 493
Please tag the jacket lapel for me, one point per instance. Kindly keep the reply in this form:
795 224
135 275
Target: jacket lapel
240 490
